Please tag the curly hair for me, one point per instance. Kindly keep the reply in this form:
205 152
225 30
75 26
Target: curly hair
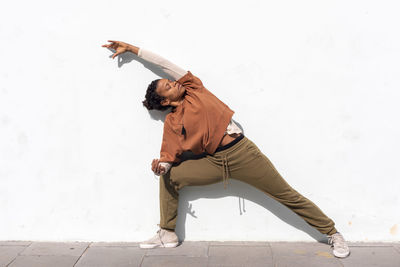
153 100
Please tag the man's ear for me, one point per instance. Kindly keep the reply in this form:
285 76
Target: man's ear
165 102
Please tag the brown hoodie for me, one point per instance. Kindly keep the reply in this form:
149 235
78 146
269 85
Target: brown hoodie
197 124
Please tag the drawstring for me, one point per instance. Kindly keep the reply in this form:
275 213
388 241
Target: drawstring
241 207
225 169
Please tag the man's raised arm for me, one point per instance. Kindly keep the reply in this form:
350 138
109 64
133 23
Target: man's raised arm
167 66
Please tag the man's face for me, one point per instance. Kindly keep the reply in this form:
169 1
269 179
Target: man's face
171 90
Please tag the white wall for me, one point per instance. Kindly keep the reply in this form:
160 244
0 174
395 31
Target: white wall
315 84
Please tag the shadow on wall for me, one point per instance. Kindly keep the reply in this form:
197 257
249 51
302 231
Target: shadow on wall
241 190
127 58
214 191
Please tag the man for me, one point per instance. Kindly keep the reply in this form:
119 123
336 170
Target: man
201 123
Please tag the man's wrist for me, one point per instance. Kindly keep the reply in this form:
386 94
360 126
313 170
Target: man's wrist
133 49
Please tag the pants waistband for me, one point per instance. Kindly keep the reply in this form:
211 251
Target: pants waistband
237 139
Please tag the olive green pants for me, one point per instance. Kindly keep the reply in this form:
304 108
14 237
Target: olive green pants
245 162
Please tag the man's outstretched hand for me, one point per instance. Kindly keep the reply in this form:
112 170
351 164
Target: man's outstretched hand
118 46
157 168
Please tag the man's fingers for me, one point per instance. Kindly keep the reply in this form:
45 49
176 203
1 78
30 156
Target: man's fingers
162 170
113 43
108 46
158 167
154 165
116 54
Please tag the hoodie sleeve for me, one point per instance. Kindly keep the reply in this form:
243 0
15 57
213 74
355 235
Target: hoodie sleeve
190 81
171 147
168 67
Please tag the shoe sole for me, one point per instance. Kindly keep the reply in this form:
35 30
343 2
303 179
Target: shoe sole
166 245
338 255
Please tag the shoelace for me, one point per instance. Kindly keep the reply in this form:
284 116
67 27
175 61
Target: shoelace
241 207
337 240
225 169
159 233
159 236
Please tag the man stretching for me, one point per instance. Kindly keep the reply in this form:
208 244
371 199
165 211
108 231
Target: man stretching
201 123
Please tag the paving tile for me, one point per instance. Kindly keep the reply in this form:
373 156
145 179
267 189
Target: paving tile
239 243
111 257
174 261
372 256
370 244
397 247
188 248
114 244
236 255
303 254
15 243
56 248
9 253
44 261
310 244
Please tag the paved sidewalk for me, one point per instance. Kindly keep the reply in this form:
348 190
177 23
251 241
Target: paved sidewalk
193 254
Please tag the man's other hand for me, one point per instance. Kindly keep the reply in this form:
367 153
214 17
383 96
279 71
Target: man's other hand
156 167
118 46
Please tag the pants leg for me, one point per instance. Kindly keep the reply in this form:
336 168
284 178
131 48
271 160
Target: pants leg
245 162
191 172
248 164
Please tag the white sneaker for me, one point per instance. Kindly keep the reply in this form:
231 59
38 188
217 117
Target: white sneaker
340 248
163 239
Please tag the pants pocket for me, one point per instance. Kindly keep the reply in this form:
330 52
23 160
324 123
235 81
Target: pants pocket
253 150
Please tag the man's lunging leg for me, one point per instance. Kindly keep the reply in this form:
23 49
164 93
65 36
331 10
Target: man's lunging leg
188 173
169 198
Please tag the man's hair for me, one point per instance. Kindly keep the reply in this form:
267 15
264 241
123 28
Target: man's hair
153 100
